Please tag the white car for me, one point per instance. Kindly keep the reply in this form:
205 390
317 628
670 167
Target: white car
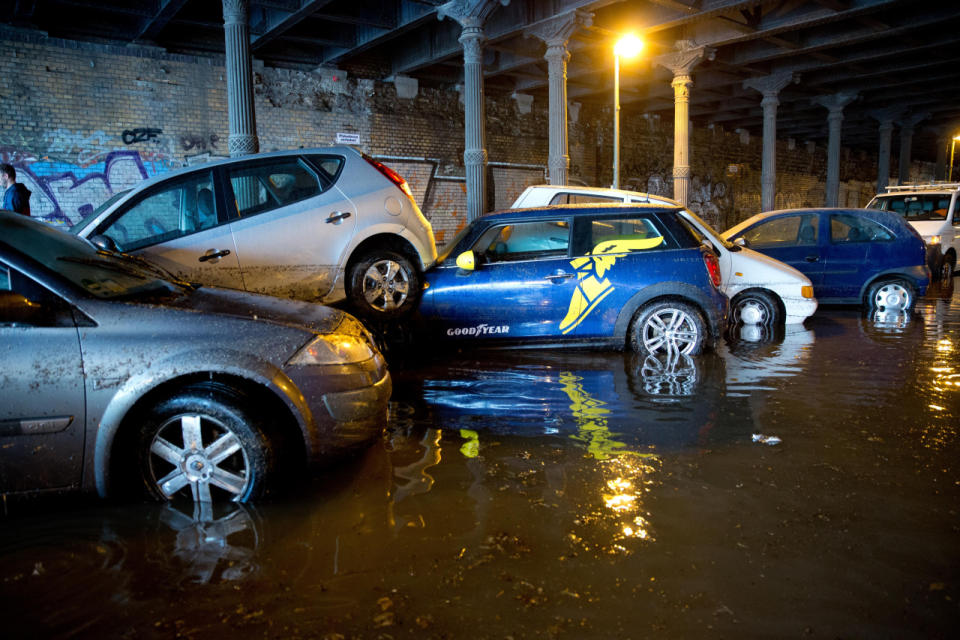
934 211
313 224
761 290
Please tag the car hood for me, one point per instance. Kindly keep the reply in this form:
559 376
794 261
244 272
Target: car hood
757 267
291 313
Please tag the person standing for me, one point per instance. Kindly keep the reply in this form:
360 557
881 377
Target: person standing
16 197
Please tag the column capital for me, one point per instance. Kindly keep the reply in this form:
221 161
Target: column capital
886 117
836 102
469 13
771 85
556 31
235 11
686 56
910 120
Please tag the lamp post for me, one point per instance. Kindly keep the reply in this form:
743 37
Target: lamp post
627 47
953 144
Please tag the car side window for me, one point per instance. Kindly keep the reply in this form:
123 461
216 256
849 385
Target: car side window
170 211
623 235
846 228
581 198
265 186
798 230
524 241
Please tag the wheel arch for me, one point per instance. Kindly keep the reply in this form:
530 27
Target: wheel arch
118 425
781 307
389 241
886 276
679 291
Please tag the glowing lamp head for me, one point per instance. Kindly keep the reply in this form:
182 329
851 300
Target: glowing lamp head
628 46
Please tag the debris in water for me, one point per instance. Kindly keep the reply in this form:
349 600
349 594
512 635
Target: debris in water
762 439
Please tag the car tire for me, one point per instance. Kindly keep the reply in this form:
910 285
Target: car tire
668 326
891 295
384 284
205 443
755 307
947 267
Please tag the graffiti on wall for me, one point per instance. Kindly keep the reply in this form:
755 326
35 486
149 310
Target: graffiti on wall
199 143
71 173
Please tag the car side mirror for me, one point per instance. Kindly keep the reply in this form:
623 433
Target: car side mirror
104 242
17 309
740 242
467 261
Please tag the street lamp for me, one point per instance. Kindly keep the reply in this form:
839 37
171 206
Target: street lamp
627 47
953 144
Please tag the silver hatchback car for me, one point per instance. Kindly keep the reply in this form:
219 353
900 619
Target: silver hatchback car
319 225
113 377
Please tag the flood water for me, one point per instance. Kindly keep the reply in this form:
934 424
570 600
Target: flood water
802 485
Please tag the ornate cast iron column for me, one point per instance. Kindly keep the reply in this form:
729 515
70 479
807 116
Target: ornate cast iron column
243 125
834 105
770 87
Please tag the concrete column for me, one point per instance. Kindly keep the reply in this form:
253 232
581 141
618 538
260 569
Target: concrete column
472 14
943 149
681 64
240 111
770 87
555 33
834 105
885 118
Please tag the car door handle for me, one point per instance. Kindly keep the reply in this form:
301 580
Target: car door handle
337 216
813 258
556 277
213 254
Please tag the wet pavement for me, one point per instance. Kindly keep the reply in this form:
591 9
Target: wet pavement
799 485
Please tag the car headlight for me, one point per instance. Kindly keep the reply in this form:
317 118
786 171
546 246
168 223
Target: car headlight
334 348
933 240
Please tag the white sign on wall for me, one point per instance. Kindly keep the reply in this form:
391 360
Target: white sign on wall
348 138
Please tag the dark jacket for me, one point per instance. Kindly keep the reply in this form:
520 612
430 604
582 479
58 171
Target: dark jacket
17 198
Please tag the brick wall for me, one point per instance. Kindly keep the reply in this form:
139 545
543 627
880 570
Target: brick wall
82 121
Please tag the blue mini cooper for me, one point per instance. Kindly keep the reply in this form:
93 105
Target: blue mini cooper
615 275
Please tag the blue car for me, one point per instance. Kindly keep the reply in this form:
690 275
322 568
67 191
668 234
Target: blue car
615 275
852 256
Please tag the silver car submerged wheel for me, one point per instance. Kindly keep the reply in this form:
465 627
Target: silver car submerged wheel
891 295
755 308
384 284
203 444
669 327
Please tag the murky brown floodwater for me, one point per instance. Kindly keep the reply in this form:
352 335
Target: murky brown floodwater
568 495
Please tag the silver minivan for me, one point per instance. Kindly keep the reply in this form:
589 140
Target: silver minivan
319 225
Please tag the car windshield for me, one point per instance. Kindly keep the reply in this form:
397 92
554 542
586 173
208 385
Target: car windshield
916 206
96 212
100 273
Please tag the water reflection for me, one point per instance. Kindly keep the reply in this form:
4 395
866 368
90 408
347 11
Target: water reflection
213 542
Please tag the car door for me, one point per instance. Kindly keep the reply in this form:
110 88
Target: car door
291 224
42 410
180 225
522 287
793 239
849 259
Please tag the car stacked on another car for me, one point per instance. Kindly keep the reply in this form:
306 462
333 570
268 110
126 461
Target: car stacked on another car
763 291
853 256
313 224
934 211
615 275
116 377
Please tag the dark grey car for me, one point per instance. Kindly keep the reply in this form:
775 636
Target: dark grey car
114 377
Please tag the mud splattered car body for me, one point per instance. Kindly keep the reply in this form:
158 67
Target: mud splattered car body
114 376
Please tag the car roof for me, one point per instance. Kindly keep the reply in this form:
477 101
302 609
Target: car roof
590 208
600 191
167 175
885 217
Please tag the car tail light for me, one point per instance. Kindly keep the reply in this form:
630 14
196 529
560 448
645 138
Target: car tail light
390 175
713 268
